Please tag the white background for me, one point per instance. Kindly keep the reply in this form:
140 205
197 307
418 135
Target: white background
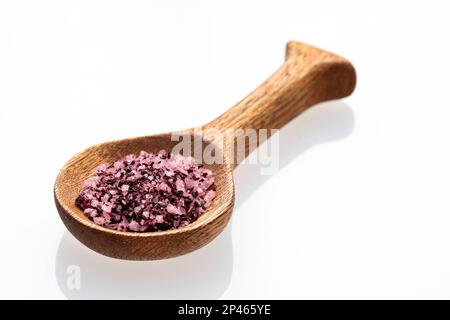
360 207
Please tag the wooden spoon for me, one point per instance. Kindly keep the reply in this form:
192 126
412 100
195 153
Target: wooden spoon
308 76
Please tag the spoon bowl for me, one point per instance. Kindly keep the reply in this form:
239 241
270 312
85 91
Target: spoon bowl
308 76
135 245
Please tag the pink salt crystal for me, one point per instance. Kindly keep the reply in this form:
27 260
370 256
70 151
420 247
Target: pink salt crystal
107 217
210 195
106 208
99 220
207 182
122 226
190 183
148 192
174 210
158 165
134 226
88 183
182 170
164 187
162 153
179 184
169 173
102 167
91 213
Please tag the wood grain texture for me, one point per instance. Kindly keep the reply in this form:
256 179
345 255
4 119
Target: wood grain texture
308 76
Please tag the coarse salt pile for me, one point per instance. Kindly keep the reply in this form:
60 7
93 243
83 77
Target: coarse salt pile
149 192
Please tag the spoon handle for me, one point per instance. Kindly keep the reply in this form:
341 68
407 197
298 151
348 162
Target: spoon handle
308 76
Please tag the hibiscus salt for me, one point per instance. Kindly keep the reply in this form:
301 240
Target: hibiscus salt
149 192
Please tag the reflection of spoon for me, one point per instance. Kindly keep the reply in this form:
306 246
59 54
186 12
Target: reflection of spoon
308 76
204 274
